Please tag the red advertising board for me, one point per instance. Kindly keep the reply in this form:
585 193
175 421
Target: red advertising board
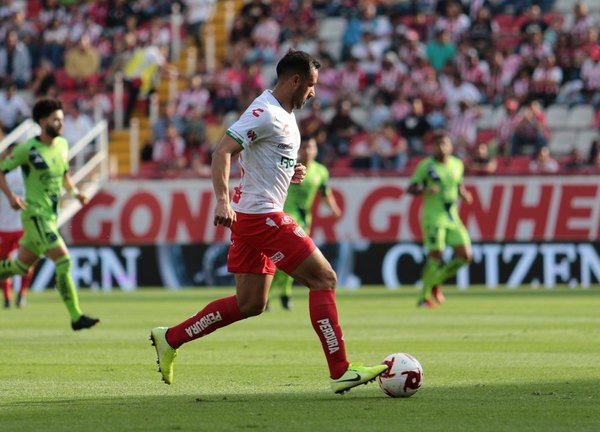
506 209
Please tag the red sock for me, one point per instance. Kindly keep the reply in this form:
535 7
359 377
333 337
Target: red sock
217 314
324 319
26 282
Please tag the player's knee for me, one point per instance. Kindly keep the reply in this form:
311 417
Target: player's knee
253 308
63 265
326 280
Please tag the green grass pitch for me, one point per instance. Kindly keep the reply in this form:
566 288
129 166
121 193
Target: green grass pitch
494 360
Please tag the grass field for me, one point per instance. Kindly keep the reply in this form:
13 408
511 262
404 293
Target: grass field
502 360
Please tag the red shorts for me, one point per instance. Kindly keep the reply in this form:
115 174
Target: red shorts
260 242
9 241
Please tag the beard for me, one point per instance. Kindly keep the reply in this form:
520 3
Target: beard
51 131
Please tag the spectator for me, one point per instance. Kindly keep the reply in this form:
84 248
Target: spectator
312 124
253 11
594 151
53 42
197 13
455 22
483 32
506 127
388 149
462 126
82 63
390 76
533 22
546 80
415 127
264 41
590 82
342 128
193 96
88 27
15 61
530 129
441 50
411 49
352 81
475 71
534 49
13 108
123 49
543 162
521 85
169 152
369 54
579 23
168 117
141 71
456 90
378 113
77 124
576 160
196 146
44 79
329 79
482 163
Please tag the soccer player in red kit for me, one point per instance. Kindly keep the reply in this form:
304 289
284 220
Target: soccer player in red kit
267 139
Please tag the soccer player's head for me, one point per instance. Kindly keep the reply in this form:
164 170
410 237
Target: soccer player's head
297 74
442 145
48 113
308 150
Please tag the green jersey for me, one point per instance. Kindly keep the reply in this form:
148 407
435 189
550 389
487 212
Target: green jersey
302 195
43 168
448 177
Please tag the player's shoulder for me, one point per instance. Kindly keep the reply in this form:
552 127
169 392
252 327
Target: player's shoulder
456 161
60 142
425 162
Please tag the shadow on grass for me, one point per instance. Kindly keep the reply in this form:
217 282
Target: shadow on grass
491 407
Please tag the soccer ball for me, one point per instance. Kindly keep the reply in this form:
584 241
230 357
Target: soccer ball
403 377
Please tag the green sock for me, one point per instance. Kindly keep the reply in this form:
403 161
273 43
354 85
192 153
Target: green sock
449 269
429 276
284 282
66 287
10 268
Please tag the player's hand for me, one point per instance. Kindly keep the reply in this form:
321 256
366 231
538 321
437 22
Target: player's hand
17 203
224 214
467 196
82 198
299 173
432 189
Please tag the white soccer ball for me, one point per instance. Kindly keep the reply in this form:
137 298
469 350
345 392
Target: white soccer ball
403 377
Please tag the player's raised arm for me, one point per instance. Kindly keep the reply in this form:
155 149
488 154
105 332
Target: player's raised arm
220 169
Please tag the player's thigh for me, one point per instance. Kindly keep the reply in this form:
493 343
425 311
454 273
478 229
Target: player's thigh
434 236
252 292
9 241
458 238
315 272
41 236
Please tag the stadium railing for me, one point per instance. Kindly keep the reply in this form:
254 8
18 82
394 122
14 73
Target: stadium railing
88 158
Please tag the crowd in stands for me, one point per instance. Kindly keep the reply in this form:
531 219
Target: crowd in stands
392 73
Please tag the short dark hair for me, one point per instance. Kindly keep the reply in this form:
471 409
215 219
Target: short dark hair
439 135
44 107
297 62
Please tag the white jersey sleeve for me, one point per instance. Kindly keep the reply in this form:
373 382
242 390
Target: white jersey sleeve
10 220
270 139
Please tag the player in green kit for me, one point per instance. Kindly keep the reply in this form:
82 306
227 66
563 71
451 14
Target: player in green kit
439 179
299 202
44 162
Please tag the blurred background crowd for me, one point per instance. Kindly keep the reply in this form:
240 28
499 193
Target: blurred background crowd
515 82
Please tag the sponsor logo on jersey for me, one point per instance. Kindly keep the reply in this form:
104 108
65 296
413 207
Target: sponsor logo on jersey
270 222
299 232
286 130
330 338
251 135
286 220
277 257
284 146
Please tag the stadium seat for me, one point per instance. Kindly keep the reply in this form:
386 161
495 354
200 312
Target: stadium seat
360 116
565 6
332 29
585 138
557 116
486 121
561 142
581 117
485 135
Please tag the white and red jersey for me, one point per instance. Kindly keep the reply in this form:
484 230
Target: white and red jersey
271 139
10 220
